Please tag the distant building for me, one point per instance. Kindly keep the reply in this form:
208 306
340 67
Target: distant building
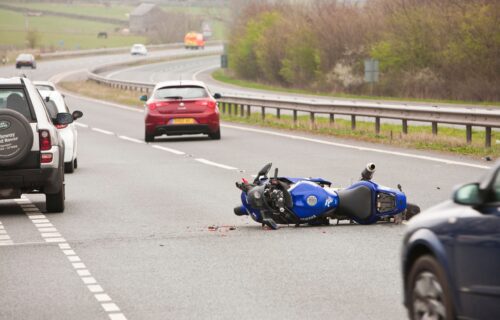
143 18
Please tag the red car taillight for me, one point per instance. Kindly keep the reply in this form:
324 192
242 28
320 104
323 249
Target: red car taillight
152 106
45 143
212 104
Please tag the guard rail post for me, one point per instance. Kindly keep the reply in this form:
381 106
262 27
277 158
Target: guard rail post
353 122
405 126
434 128
295 118
312 122
263 113
377 125
278 113
332 118
488 137
468 133
249 111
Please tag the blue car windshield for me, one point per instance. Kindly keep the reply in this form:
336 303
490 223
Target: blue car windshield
181 92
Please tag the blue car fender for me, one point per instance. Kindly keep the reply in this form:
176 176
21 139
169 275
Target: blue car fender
425 241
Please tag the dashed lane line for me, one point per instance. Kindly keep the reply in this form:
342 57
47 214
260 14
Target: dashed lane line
50 234
168 150
215 164
109 133
131 139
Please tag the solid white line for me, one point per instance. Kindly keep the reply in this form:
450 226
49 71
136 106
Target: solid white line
197 73
131 139
109 133
215 164
6 243
168 149
82 125
342 145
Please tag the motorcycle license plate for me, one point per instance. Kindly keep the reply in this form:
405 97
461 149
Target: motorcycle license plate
183 121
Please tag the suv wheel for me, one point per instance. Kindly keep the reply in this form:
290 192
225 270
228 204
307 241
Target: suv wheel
54 203
69 167
428 291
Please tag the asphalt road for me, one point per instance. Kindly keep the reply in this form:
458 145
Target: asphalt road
137 239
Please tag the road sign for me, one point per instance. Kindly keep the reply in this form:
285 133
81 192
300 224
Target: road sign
371 70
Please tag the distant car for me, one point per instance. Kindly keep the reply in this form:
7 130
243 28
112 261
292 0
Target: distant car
55 104
451 255
179 108
194 40
44 85
138 49
25 60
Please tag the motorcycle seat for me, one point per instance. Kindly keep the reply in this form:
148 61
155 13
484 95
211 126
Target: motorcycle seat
356 202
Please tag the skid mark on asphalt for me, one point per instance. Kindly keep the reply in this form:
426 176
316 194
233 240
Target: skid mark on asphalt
5 239
50 234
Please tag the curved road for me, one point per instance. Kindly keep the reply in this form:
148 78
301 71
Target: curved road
148 227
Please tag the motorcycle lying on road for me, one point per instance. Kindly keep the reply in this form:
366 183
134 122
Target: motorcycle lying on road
284 200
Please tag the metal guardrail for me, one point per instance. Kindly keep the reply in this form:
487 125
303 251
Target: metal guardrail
240 105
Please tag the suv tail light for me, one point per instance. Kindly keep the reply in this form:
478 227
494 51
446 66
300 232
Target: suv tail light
46 157
45 143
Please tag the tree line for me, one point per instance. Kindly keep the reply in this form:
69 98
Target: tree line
426 48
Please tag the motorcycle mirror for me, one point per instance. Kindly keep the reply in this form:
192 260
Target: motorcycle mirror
264 171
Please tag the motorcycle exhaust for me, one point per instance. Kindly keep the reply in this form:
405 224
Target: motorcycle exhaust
368 172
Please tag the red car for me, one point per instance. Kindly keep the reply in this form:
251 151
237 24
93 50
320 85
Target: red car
179 108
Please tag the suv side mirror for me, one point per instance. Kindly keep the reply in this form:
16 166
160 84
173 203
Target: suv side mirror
468 194
77 114
217 96
143 98
64 118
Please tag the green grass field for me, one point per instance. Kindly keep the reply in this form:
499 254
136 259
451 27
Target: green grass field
60 33
91 9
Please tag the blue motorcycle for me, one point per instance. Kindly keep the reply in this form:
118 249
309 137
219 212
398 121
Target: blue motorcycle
284 200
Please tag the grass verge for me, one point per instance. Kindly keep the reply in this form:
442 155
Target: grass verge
449 140
223 76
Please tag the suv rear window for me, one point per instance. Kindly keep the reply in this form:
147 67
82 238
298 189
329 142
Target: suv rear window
181 92
15 99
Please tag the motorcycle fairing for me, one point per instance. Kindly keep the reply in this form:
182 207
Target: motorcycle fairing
292 180
310 200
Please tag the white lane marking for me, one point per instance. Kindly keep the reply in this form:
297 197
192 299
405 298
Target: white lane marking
117 316
82 125
197 73
215 164
80 268
102 297
4 237
109 133
110 307
95 288
40 225
168 149
343 145
89 280
131 139
83 273
79 265
47 229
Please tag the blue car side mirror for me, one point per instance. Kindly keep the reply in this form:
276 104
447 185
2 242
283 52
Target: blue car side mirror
143 98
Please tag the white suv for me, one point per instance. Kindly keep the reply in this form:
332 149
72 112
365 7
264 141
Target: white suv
31 149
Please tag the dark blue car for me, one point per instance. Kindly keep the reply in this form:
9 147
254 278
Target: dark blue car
451 255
